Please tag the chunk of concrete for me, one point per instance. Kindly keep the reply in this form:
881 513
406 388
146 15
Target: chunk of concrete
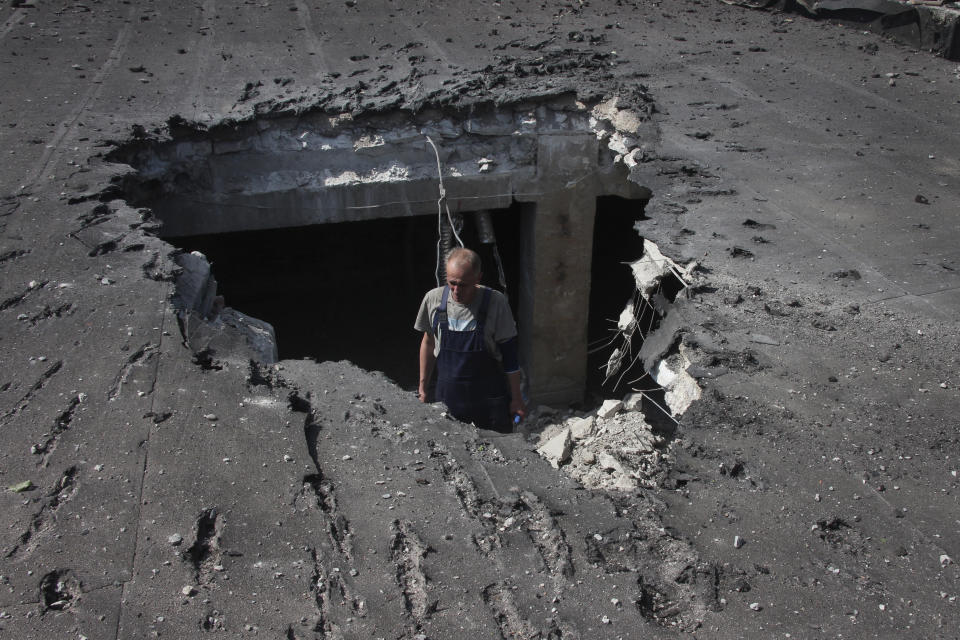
609 408
681 388
582 427
608 463
557 449
633 402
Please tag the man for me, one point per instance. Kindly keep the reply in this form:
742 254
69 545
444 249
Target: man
470 336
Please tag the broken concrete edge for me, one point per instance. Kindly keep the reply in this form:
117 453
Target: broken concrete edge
208 326
616 122
176 128
936 24
632 457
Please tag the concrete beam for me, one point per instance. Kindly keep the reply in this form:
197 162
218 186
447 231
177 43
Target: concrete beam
556 341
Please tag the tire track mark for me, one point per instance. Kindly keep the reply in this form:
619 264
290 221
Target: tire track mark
305 19
60 425
11 22
96 86
37 386
205 47
62 491
65 309
205 554
499 598
407 551
331 595
317 490
16 299
7 256
145 354
322 495
550 541
454 474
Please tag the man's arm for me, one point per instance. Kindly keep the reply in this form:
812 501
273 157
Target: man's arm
510 356
427 361
517 407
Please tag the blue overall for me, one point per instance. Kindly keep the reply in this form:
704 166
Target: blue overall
470 381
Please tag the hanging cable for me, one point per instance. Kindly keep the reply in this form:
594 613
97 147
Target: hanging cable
441 205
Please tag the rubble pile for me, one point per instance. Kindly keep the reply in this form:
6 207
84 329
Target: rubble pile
612 447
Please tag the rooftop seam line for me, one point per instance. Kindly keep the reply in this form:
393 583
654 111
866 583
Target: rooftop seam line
143 475
53 148
12 22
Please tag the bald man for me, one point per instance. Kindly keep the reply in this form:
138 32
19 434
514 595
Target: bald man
470 337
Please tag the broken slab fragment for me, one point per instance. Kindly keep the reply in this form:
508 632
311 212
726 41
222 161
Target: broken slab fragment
633 402
609 408
581 428
557 449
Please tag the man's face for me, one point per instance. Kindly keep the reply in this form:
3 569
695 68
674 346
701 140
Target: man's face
463 282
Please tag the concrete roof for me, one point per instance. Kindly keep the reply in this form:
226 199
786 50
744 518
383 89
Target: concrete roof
172 495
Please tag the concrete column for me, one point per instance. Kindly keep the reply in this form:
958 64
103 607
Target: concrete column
557 303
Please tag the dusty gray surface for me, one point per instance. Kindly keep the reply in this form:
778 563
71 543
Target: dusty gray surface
826 341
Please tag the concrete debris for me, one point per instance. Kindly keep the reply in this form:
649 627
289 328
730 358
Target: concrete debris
681 389
609 408
211 326
557 449
582 427
613 449
653 266
633 402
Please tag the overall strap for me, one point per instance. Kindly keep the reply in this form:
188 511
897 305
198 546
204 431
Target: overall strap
440 315
484 307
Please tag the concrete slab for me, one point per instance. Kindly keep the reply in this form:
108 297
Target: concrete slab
783 153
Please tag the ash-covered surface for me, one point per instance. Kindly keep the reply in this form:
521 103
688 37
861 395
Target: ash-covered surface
810 169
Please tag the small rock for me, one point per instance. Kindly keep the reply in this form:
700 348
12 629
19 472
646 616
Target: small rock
737 542
945 560
212 417
188 590
287 457
755 606
589 457
609 408
20 487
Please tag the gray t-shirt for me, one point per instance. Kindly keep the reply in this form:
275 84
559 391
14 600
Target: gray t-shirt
499 325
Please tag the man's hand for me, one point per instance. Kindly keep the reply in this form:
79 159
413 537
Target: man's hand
422 393
517 407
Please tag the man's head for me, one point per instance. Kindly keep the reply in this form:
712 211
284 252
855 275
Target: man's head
463 274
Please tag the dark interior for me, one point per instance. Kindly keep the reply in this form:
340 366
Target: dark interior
615 244
347 291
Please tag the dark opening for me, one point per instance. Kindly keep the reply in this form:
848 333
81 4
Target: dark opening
350 290
616 243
